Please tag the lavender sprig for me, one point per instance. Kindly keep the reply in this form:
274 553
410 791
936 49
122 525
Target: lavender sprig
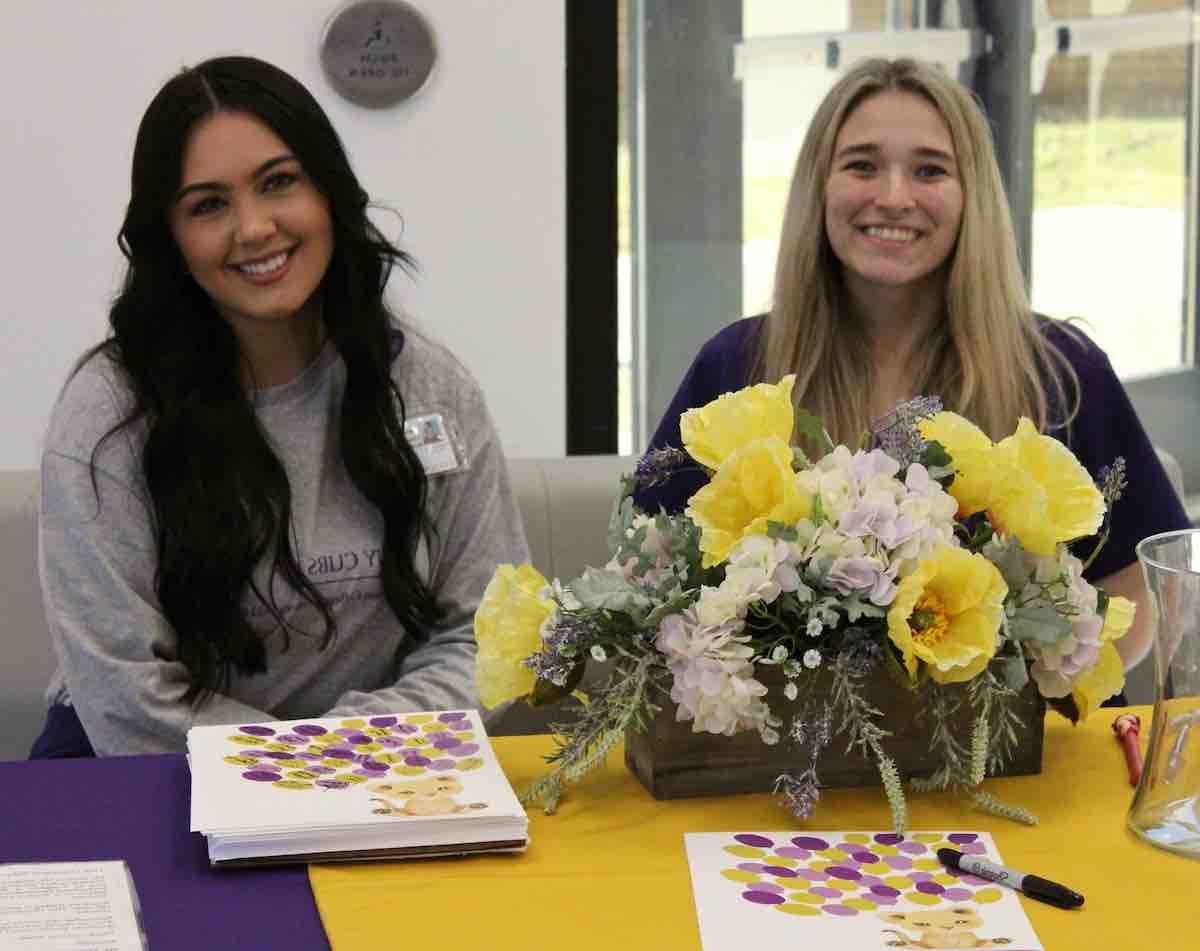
897 433
559 655
658 465
1111 484
800 791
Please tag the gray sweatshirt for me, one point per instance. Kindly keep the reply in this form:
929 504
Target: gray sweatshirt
118 663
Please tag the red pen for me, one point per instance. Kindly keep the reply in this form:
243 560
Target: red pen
1126 728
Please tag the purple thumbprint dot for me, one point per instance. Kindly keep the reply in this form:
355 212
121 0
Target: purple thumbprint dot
451 717
974 848
764 898
845 874
260 775
339 754
417 761
779 871
359 739
957 894
912 848
930 888
331 784
962 838
884 900
841 910
445 742
826 892
442 764
257 730
898 862
464 749
405 728
888 838
812 843
791 852
309 729
289 738
754 867
865 858
382 722
757 841
920 876
345 731
373 767
886 890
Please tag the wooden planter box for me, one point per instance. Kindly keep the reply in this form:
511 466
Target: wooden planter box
672 762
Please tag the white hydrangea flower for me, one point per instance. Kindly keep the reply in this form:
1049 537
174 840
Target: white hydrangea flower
712 675
790 690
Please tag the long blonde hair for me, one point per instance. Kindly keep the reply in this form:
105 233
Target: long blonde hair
987 359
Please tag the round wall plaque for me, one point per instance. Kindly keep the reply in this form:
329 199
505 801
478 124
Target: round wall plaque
377 53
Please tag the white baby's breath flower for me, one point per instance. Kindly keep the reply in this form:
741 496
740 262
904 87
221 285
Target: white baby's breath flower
812 658
790 690
598 653
814 627
779 654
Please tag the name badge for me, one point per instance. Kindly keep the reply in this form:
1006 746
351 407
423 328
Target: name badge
436 442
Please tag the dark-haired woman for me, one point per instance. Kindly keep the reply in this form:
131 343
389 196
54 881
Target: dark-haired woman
234 526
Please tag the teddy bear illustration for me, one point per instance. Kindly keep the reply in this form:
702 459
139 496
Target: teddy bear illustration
941 928
432 796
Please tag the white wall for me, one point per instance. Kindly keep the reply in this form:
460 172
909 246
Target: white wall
474 164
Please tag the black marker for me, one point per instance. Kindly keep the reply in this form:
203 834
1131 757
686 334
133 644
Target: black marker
1040 888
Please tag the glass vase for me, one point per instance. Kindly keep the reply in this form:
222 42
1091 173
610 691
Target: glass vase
1166 806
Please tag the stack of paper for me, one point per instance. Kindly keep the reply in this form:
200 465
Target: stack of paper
334 789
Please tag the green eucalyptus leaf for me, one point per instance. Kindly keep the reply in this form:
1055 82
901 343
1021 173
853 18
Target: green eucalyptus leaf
607 590
1038 622
897 671
782 532
1014 672
811 427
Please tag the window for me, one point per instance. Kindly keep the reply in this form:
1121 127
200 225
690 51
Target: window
1093 104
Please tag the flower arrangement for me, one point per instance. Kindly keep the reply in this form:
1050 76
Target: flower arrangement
930 551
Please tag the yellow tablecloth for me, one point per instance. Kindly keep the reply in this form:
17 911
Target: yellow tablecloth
609 869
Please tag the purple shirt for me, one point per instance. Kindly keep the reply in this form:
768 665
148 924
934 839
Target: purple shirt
1105 427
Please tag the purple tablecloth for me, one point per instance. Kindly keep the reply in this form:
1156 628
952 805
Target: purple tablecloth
137 808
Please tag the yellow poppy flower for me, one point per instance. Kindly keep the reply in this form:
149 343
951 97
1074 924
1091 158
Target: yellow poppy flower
947 613
508 627
1046 496
712 433
971 458
753 486
1095 686
1118 618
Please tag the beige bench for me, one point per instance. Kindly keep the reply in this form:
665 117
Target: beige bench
565 505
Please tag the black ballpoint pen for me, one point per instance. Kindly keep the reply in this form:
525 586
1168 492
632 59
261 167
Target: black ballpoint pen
1040 888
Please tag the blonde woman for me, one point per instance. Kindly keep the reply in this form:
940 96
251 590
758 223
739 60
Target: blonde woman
897 277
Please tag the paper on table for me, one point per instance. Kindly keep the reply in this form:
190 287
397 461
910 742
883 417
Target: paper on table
849 890
69 906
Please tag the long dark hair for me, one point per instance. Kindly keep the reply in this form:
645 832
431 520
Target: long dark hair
221 498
